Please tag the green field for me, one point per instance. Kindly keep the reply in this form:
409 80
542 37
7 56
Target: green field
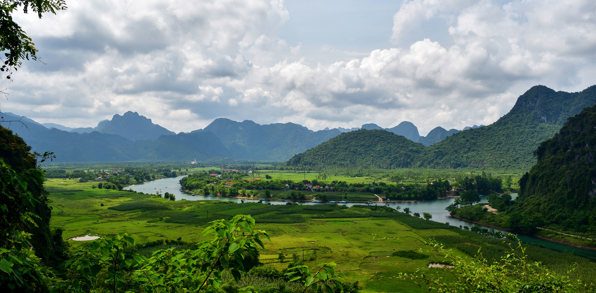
405 176
371 245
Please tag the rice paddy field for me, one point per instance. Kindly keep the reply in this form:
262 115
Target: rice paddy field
371 245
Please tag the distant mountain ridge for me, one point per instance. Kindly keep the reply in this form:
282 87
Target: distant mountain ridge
251 141
408 130
508 143
141 140
133 137
133 126
130 125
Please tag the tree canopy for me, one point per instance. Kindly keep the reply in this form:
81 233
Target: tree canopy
14 41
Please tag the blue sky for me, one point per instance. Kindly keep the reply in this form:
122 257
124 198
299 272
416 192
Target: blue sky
450 63
354 25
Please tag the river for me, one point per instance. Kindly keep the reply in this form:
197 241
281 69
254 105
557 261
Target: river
434 207
172 185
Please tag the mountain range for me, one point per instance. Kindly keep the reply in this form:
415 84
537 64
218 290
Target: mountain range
133 137
508 143
410 131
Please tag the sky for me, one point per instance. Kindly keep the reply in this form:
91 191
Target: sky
321 64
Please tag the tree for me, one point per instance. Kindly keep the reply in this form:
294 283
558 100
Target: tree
24 220
427 216
407 211
16 44
469 197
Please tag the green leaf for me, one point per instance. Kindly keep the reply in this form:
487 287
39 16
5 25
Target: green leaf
6 266
309 281
295 279
233 247
322 276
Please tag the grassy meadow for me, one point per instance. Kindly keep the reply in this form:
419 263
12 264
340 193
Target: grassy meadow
403 176
371 245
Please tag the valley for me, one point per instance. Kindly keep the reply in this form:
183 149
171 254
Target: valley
368 208
366 242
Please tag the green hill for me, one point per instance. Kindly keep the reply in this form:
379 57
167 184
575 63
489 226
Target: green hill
561 188
364 148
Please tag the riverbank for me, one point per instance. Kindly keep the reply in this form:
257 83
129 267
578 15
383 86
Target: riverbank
550 239
313 198
481 223
435 207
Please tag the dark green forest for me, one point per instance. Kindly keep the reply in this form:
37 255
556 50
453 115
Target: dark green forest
561 188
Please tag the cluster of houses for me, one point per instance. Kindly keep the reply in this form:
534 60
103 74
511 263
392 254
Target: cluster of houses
105 174
311 187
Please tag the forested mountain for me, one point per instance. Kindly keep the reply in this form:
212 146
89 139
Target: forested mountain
363 148
248 140
561 188
508 143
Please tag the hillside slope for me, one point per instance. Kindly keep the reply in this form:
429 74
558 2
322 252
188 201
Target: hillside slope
509 143
363 148
561 188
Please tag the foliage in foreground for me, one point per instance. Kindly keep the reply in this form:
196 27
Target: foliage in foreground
14 42
513 272
112 264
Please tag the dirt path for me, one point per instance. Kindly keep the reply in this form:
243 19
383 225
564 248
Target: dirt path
380 199
490 209
566 234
